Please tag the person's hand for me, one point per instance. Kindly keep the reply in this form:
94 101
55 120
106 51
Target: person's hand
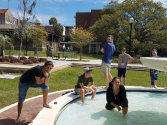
119 109
86 91
46 74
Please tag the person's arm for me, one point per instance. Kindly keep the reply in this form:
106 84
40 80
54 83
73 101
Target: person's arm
46 79
102 50
38 80
83 87
131 59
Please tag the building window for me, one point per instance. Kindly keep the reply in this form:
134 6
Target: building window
2 22
2 18
93 48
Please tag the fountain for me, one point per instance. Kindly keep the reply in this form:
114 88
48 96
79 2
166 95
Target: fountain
155 63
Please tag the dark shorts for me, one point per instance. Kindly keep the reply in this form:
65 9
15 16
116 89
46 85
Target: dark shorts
23 87
122 104
154 76
121 71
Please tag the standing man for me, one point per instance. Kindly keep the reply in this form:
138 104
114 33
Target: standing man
154 73
81 87
122 64
33 78
108 50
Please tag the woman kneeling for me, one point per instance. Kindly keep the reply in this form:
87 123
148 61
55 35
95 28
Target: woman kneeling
116 96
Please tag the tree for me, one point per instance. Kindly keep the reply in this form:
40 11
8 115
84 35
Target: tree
25 15
58 29
38 35
4 41
150 22
53 21
81 38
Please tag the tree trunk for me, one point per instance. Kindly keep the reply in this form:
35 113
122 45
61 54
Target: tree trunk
81 53
37 52
3 50
20 48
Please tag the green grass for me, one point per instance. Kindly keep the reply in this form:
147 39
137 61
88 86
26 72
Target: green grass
67 79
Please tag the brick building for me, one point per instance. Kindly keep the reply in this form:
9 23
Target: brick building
8 23
85 20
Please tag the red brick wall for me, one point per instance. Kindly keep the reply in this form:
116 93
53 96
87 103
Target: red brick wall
85 20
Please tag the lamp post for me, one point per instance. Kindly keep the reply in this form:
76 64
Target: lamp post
131 21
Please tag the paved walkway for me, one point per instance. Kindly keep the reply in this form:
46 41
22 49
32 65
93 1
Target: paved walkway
32 107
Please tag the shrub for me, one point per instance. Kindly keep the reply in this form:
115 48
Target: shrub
135 61
11 57
31 58
42 59
35 60
23 58
4 58
15 60
27 61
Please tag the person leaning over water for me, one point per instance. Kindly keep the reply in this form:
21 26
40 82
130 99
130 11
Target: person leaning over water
116 96
33 78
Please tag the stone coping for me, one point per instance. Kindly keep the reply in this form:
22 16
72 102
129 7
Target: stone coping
49 116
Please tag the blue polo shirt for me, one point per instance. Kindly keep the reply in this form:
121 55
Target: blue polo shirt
109 51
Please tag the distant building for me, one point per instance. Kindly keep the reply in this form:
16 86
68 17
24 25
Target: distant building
8 23
85 20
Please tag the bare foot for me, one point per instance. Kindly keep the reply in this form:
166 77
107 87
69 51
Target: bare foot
17 121
83 104
165 88
155 87
123 116
47 106
112 110
93 99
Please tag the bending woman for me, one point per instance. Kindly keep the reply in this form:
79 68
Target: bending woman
116 96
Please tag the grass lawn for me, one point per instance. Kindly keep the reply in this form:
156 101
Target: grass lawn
67 79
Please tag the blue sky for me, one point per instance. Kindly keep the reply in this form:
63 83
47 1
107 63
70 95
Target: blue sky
63 10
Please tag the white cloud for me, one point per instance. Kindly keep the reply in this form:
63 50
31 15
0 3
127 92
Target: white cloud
45 18
54 10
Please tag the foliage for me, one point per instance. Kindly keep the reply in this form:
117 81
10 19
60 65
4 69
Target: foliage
15 60
149 29
4 59
35 60
38 35
42 59
58 29
25 15
53 21
4 41
23 58
81 37
31 57
27 61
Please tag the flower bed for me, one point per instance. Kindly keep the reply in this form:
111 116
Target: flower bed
22 60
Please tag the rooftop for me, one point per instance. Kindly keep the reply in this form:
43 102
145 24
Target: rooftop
3 10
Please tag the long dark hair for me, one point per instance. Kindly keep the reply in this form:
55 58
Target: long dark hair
110 83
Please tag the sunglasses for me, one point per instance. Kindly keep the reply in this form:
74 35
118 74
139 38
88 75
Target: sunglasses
108 39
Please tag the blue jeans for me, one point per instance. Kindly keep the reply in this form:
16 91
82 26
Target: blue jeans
23 87
154 76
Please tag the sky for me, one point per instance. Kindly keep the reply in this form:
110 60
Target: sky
63 10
